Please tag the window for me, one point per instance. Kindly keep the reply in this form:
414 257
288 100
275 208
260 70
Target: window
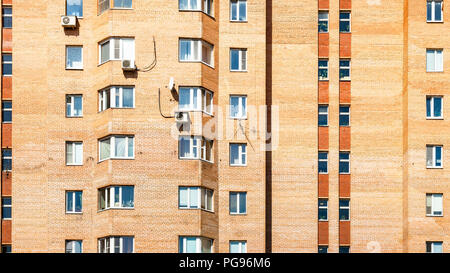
115 49
74 153
195 99
344 70
196 50
344 209
344 162
434 247
116 197
323 162
74 57
238 202
116 244
6 208
7 64
323 209
238 247
344 21
7 17
116 97
344 249
238 154
103 5
435 61
323 69
323 21
323 249
238 59
197 5
116 147
323 115
434 107
73 246
238 107
434 11
74 201
6 111
238 10
195 245
189 148
195 198
74 8
6 159
124 4
434 204
74 106
434 156
6 249
344 115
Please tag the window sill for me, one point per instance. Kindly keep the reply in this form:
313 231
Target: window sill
74 116
344 173
435 71
76 69
437 118
345 80
115 209
71 165
191 209
340 220
116 158
435 167
344 125
321 220
435 22
324 80
238 165
238 214
239 71
323 173
238 21
6 122
236 118
429 215
209 65
74 213
324 125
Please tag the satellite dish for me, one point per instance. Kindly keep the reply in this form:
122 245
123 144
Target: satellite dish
171 84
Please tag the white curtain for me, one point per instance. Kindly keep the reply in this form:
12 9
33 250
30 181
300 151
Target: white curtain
105 148
128 49
120 146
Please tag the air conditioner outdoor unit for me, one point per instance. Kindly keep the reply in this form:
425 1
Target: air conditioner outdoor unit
181 117
69 21
128 65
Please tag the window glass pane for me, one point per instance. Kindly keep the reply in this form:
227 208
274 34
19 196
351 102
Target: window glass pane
120 146
77 246
128 196
429 204
323 249
234 59
74 57
78 106
439 61
128 97
78 201
183 199
242 10
184 99
117 197
344 249
69 153
234 154
193 198
69 201
233 9
429 156
438 151
430 60
105 148
428 106
242 203
185 50
74 7
78 153
185 147
69 245
233 203
105 51
191 245
127 244
234 106
437 247
437 106
438 11
244 154
234 247
429 10
122 3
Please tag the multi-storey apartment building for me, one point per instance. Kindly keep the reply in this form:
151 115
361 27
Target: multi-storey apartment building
224 126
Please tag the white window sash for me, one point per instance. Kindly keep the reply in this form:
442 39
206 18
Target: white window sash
238 10
433 11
